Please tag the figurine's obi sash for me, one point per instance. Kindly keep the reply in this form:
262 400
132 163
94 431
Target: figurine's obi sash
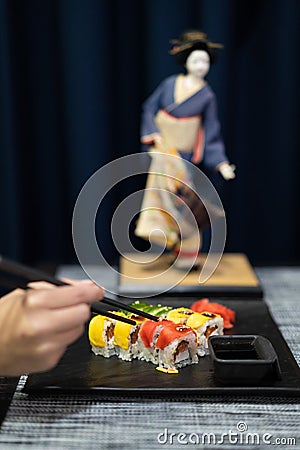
181 133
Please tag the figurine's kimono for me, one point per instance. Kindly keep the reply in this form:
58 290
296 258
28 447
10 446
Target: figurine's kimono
190 126
180 117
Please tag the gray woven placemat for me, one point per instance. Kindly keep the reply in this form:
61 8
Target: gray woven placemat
282 295
97 422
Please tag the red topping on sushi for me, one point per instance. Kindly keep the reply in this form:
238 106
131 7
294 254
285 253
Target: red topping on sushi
147 330
215 308
171 332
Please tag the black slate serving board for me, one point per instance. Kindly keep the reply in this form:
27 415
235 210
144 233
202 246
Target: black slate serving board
81 371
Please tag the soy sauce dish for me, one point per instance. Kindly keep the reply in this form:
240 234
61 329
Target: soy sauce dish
243 359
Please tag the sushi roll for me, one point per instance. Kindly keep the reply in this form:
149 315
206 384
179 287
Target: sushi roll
174 341
168 344
126 338
205 324
177 346
226 313
148 335
101 336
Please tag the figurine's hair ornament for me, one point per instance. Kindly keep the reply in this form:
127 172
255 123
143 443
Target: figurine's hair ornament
193 40
190 39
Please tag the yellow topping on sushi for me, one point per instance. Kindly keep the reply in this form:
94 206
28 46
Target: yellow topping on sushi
197 320
180 315
96 328
122 333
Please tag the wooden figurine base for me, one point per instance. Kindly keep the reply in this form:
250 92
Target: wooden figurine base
234 276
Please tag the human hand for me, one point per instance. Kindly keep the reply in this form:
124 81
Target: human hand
38 325
46 285
227 171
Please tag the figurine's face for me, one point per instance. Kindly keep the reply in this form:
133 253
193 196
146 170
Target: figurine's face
198 63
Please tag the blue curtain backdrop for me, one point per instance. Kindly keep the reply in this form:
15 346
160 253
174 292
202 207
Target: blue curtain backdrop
73 75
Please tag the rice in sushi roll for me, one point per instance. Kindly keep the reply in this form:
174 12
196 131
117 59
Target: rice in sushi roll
101 336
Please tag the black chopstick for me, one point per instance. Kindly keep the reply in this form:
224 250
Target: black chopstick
29 275
96 308
112 302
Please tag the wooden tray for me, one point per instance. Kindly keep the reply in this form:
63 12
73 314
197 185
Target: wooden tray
234 277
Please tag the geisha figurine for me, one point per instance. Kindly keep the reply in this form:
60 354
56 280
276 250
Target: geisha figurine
181 117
